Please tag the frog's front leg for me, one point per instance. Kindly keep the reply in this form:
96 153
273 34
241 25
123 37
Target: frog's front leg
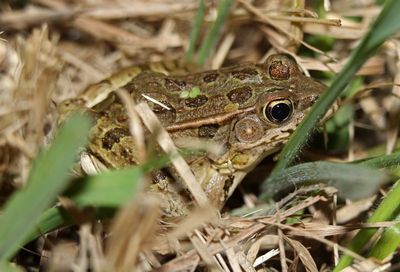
216 185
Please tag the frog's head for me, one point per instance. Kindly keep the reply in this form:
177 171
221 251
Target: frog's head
280 103
283 99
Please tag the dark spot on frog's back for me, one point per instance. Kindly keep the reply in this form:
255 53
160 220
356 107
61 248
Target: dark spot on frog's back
208 78
240 95
196 102
208 131
114 136
244 73
166 115
174 85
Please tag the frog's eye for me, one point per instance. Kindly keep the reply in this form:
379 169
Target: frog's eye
278 111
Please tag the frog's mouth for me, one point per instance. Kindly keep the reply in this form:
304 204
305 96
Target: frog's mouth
243 161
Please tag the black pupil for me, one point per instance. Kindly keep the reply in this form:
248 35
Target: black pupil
280 112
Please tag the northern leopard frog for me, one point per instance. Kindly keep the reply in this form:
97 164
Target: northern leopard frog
250 110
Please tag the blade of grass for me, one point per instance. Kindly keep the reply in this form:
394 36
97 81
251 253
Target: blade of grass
385 211
8 267
110 189
48 177
195 33
48 221
107 190
388 243
352 181
211 39
383 161
384 26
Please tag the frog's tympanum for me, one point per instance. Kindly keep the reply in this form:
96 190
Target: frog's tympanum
249 110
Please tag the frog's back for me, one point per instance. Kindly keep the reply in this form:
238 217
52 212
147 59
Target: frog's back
199 95
191 98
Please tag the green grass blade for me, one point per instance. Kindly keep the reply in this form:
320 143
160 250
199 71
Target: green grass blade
8 267
388 243
48 221
110 189
384 161
386 211
385 25
107 190
352 181
48 177
196 29
213 35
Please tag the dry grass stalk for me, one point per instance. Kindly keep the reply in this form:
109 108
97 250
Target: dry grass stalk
166 143
244 229
267 20
30 99
133 231
135 126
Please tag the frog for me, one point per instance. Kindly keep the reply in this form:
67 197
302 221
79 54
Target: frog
248 110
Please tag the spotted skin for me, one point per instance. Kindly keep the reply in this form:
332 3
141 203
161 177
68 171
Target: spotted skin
225 106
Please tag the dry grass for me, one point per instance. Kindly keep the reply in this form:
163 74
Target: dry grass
51 50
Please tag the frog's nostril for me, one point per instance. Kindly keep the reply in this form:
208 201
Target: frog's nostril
313 99
308 101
